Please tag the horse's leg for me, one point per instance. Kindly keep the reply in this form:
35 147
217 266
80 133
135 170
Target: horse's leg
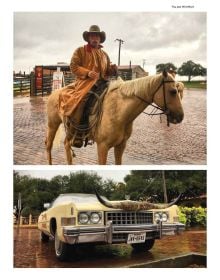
118 150
67 145
102 153
51 132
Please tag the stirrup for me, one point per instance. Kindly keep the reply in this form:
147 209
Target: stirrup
76 142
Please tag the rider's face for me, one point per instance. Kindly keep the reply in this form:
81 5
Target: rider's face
94 40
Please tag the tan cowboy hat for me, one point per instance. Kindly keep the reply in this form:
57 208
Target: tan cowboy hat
94 29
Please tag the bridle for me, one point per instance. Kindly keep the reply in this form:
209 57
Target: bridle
165 110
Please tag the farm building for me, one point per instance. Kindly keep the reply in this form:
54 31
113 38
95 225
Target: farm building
41 79
130 72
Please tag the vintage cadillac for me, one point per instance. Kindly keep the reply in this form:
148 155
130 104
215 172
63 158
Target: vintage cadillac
78 218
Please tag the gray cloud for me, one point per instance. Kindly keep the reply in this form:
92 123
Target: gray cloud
46 38
165 29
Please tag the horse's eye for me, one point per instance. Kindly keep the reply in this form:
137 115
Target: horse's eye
173 91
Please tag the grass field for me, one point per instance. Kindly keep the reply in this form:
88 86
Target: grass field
195 84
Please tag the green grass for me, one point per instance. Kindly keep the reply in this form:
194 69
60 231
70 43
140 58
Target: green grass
195 84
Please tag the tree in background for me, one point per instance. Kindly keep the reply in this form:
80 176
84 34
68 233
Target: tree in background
83 182
191 183
138 185
36 191
191 69
165 66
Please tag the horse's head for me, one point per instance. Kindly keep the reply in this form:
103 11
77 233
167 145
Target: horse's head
168 98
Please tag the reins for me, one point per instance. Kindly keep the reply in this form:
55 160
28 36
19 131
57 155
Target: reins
164 111
78 128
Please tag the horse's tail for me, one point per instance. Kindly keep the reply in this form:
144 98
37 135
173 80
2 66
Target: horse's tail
58 137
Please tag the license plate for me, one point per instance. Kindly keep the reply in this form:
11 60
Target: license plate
136 237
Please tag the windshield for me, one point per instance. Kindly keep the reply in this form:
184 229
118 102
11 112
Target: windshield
75 197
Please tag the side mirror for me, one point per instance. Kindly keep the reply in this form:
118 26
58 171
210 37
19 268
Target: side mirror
46 205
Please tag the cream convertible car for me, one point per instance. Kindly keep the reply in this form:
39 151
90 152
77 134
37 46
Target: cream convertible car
87 218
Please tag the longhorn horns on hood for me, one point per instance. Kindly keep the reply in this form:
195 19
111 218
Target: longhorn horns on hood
131 205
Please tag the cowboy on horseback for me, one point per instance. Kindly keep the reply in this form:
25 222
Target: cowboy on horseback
92 68
122 103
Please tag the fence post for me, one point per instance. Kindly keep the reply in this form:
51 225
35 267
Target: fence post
30 219
32 84
21 220
21 86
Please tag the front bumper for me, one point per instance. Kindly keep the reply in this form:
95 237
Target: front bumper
112 234
171 229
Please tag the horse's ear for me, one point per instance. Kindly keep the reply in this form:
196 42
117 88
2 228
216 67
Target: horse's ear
165 74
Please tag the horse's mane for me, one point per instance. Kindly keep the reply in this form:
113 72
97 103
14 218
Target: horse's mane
140 86
115 84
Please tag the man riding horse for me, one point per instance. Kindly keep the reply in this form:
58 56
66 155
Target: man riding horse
123 102
92 68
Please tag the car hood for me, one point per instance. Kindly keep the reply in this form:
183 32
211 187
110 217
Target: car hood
91 207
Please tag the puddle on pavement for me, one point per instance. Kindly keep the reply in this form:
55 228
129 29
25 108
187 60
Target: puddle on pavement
30 252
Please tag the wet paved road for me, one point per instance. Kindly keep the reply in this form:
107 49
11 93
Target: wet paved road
29 251
152 142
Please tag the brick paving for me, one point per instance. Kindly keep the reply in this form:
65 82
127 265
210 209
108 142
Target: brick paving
29 252
152 142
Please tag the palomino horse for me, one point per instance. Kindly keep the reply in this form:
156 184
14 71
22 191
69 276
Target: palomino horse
123 102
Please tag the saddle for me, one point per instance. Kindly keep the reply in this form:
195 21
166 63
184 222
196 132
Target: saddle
93 98
90 116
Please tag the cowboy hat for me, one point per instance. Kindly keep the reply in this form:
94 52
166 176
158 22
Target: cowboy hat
94 29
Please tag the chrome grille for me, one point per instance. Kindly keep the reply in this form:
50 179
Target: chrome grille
119 237
129 218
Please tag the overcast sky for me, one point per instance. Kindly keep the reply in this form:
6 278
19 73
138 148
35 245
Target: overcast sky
158 37
116 175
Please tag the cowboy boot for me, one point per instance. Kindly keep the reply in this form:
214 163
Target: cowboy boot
76 118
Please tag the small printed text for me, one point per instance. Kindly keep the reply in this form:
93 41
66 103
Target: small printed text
182 7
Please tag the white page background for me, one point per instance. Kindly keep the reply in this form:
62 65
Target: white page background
6 138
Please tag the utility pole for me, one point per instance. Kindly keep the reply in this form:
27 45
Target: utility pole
164 187
144 61
119 49
19 208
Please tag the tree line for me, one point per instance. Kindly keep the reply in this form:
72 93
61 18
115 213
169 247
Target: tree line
138 185
189 69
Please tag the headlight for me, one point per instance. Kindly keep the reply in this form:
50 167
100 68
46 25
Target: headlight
164 217
95 218
89 218
161 216
83 218
157 217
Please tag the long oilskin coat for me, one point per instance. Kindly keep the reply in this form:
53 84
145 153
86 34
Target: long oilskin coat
84 60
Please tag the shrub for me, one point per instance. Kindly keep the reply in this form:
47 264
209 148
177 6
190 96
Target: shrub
193 216
182 217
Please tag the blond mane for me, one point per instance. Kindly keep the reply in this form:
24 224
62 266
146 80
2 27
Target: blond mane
115 84
140 86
